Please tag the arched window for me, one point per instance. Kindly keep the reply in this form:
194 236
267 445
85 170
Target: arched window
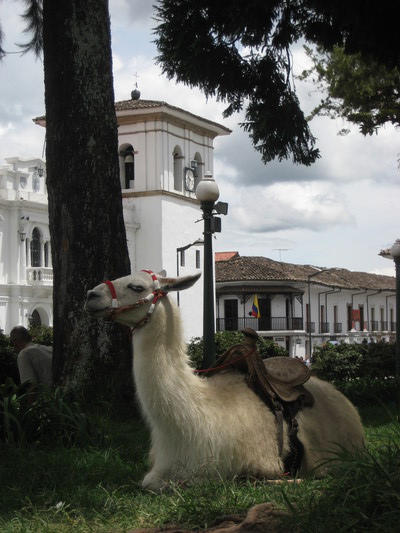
198 167
178 168
35 319
36 248
128 160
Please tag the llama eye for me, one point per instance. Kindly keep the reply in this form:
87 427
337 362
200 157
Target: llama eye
135 288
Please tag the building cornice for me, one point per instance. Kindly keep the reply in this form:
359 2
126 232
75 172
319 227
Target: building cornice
160 192
34 205
229 288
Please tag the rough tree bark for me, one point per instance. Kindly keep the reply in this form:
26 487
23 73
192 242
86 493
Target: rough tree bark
85 205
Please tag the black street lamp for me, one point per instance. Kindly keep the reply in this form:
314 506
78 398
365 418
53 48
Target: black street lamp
207 192
395 253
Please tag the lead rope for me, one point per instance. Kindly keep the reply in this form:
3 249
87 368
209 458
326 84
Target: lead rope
226 365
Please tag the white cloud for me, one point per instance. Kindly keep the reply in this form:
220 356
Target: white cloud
341 211
290 206
132 13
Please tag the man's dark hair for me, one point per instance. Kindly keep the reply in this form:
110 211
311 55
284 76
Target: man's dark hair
20 333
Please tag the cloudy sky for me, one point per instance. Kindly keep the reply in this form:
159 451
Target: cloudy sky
340 212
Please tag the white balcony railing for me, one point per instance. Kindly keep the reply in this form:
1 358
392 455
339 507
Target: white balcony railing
39 275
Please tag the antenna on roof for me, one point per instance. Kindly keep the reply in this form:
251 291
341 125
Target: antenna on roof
135 94
281 250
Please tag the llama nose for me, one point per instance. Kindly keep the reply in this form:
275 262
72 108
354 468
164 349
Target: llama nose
90 295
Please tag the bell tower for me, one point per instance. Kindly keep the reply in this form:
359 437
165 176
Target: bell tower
164 152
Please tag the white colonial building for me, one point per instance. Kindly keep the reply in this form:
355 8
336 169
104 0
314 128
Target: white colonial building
301 306
164 152
26 275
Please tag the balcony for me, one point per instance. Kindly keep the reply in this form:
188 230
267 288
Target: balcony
380 326
39 276
310 327
260 324
324 327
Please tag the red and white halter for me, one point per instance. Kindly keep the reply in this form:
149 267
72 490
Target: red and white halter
152 297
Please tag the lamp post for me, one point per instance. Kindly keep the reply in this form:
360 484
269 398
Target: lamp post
395 253
180 251
309 307
23 221
207 192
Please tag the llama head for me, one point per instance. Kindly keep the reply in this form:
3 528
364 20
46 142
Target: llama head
129 299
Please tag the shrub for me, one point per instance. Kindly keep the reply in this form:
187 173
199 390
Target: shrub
337 362
365 373
42 335
8 360
367 391
347 361
379 359
42 418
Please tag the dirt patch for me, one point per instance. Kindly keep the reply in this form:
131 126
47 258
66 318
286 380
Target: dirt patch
262 518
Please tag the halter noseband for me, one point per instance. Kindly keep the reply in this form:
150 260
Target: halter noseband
152 297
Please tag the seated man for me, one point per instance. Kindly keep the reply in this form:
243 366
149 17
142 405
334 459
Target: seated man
34 360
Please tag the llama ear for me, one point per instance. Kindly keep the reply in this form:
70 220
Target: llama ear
178 284
162 273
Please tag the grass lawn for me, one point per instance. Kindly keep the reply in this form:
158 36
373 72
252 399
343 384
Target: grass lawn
97 488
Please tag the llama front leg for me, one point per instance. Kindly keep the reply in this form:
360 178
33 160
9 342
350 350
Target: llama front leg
154 481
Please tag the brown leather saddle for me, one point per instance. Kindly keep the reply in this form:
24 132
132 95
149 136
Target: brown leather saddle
279 382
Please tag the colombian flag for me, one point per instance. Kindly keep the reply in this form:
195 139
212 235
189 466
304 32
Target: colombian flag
255 310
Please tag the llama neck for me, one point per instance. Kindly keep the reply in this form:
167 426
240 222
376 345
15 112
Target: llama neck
165 382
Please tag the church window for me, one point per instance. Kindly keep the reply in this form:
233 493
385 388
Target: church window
36 248
46 254
198 167
178 169
35 319
129 166
126 155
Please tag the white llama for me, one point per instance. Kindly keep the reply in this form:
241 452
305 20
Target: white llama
216 426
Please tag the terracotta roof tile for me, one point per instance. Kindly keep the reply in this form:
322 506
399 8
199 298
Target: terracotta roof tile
129 105
262 269
125 105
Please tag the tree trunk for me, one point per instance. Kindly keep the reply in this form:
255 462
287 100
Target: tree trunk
85 204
